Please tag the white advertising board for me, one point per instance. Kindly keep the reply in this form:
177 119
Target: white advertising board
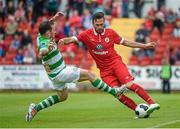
149 76
35 77
23 77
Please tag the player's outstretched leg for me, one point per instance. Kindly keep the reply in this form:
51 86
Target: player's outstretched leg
128 102
98 83
144 95
117 91
51 100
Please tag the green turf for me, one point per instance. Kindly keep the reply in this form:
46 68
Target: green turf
86 110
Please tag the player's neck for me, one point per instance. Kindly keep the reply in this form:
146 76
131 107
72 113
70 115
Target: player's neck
96 33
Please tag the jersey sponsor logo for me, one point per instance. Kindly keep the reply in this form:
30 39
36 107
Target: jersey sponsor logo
43 45
107 39
100 53
99 47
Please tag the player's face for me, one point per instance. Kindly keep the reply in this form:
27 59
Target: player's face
50 33
98 25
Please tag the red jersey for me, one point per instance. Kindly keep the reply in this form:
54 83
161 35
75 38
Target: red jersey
101 47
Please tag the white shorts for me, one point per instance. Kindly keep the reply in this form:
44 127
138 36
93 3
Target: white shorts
67 75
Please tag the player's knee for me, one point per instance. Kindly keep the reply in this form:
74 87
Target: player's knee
63 97
91 75
129 84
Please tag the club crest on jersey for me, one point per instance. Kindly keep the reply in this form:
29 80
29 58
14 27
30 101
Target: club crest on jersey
99 47
107 40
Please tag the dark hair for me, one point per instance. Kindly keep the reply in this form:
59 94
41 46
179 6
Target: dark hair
44 27
98 15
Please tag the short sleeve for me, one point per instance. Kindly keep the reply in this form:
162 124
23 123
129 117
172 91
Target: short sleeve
117 38
43 44
81 37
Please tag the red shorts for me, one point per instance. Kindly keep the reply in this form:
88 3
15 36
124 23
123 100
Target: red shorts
117 76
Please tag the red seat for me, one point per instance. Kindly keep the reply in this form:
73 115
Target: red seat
145 61
159 50
9 61
175 42
162 44
156 62
166 37
133 60
158 56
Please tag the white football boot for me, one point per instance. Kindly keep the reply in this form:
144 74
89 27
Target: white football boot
153 107
31 112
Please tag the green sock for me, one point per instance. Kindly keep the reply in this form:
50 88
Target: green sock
51 100
98 83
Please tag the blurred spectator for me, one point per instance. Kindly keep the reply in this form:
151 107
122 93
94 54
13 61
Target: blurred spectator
39 7
2 48
160 3
10 8
166 74
1 33
24 25
11 26
108 7
29 54
20 11
26 39
158 22
178 56
19 57
2 11
86 19
29 14
52 6
173 57
142 36
170 16
138 5
15 44
79 6
116 8
176 30
75 19
125 8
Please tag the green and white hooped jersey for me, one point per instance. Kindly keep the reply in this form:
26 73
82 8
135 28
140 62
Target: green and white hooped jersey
53 59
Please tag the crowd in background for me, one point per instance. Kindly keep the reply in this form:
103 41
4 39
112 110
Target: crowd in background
19 21
163 26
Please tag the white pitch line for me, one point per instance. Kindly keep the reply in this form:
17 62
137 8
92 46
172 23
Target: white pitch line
163 124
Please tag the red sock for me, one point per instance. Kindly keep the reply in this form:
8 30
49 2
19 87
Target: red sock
142 93
128 102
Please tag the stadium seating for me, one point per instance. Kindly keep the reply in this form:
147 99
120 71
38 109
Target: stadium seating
145 61
133 60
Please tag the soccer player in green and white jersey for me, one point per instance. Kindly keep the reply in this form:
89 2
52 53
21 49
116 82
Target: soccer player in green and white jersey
58 72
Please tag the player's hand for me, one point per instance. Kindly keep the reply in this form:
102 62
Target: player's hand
56 16
51 46
59 14
43 53
150 45
61 41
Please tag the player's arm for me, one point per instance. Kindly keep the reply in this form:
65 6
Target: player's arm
56 17
44 49
68 40
134 44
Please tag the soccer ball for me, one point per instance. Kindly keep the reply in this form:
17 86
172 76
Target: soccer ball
141 110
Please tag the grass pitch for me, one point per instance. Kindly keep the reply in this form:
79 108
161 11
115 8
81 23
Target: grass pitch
86 110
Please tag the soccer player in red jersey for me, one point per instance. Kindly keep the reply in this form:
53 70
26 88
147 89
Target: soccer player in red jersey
100 44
